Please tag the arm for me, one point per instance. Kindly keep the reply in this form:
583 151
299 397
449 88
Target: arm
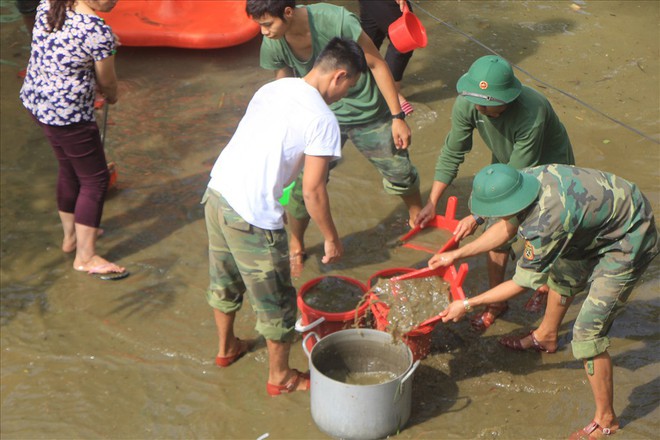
495 236
318 204
106 78
457 144
499 293
428 212
385 82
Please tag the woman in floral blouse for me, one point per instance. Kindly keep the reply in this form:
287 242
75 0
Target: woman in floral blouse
73 55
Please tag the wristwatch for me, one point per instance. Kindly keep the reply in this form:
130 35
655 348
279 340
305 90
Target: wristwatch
480 220
467 305
401 115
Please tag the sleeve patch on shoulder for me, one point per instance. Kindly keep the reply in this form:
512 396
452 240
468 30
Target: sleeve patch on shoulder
529 251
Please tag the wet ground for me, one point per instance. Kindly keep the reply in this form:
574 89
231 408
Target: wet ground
83 358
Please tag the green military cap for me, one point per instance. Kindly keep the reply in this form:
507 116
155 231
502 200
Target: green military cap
500 190
489 82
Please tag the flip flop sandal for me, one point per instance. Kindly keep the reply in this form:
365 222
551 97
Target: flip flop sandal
484 320
226 361
585 433
406 107
290 386
98 272
515 343
112 276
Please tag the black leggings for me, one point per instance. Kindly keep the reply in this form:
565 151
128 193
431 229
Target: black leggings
375 17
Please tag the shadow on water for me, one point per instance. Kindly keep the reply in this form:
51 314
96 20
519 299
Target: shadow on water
512 43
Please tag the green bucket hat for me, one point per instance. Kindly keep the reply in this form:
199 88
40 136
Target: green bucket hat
489 82
500 190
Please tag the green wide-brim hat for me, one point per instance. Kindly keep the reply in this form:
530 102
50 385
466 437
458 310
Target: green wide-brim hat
489 82
500 190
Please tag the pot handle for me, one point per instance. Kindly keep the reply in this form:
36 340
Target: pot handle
306 338
408 375
305 328
411 371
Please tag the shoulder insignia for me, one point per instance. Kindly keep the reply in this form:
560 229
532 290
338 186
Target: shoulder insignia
529 251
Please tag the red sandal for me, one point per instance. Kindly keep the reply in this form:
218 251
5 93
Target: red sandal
484 320
515 343
538 301
226 361
290 386
591 428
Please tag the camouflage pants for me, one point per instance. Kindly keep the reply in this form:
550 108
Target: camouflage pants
374 141
611 278
244 258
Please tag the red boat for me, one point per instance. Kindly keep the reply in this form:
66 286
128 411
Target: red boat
196 24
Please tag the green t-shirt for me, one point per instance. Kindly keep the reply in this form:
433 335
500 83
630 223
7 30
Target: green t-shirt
364 102
528 133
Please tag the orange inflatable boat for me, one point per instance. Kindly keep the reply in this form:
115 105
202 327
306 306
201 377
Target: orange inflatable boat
200 24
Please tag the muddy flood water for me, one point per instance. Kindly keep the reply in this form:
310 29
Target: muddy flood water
133 359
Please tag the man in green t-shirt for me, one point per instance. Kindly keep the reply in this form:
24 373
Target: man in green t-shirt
520 128
584 230
370 115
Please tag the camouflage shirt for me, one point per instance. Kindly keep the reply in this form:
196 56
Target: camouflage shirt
581 214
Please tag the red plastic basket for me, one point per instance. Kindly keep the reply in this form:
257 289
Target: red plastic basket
419 338
447 222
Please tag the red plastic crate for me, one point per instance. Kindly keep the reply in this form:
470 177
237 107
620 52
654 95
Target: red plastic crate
447 222
419 338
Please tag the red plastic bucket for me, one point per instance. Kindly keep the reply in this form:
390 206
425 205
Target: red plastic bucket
407 32
419 338
323 323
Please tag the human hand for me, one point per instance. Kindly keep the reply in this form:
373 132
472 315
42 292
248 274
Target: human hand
333 251
425 215
454 312
465 227
441 260
401 134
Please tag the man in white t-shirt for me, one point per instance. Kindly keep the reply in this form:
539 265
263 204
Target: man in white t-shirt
287 126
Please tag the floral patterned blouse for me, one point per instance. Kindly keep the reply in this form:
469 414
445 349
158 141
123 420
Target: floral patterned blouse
60 84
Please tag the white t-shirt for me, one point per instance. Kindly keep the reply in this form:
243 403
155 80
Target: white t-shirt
285 120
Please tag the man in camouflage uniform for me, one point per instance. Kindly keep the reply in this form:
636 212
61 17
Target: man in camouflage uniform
580 226
287 124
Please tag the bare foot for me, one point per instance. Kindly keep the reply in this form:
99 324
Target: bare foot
69 243
297 263
98 265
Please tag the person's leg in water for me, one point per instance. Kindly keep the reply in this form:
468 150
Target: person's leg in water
297 255
375 18
400 177
496 266
545 337
28 10
82 184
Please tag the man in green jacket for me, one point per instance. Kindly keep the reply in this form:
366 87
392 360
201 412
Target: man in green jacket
520 128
